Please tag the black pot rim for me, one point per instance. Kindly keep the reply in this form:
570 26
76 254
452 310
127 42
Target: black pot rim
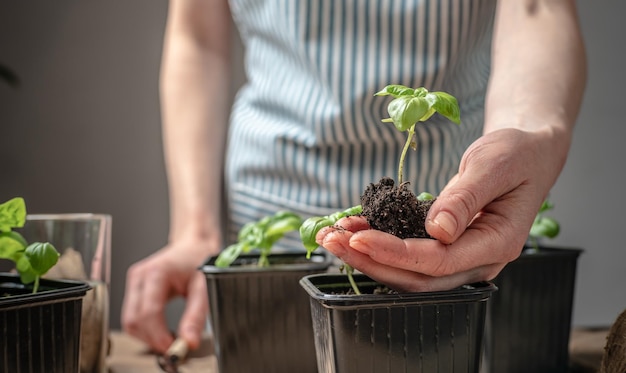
549 251
281 263
50 291
476 292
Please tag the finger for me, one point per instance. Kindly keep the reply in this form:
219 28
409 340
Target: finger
154 297
131 322
484 175
350 224
193 321
481 245
353 223
400 279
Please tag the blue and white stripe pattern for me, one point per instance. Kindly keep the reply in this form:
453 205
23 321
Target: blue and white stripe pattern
306 132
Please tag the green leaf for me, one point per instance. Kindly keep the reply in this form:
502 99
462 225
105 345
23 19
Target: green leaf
395 90
406 111
12 245
251 234
546 206
282 223
12 214
445 104
262 235
309 229
229 255
27 274
425 196
42 256
311 226
545 227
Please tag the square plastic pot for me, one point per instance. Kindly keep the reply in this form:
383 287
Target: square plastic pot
260 317
40 332
529 319
429 332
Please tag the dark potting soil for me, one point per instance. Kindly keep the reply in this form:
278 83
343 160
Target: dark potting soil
395 209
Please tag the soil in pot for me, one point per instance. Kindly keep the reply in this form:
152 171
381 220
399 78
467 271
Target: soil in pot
409 332
395 209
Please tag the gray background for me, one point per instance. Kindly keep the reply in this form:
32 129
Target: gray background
82 134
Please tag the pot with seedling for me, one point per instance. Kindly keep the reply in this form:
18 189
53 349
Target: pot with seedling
259 314
40 319
362 325
529 319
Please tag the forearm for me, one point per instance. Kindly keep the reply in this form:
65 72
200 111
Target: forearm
195 83
538 70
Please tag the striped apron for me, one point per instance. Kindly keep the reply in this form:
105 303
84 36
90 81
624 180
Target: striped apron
305 131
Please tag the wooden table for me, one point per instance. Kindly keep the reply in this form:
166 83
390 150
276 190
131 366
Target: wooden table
129 355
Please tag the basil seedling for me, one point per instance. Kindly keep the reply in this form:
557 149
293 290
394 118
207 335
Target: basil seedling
543 226
31 261
413 105
261 235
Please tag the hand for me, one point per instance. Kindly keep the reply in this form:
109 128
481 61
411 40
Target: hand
153 282
480 221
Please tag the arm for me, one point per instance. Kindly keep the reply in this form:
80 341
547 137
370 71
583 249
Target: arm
195 74
194 78
536 87
482 218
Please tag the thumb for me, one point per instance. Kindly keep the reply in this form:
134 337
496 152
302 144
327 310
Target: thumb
193 321
461 200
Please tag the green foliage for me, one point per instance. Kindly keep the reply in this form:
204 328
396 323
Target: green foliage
413 105
425 196
311 226
543 226
31 261
261 235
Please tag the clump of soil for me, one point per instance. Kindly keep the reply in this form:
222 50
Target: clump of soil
395 209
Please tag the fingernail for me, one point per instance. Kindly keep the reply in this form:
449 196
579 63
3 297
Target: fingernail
446 222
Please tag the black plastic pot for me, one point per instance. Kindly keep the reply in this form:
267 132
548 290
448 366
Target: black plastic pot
40 332
430 332
260 317
529 319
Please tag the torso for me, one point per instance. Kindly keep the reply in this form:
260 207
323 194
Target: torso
306 132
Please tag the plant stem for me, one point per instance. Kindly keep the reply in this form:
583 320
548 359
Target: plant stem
36 285
349 272
411 132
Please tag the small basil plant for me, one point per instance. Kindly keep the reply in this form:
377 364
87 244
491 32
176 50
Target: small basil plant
260 235
543 226
31 260
413 105
310 228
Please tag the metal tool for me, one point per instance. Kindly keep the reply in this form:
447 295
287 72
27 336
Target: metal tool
174 357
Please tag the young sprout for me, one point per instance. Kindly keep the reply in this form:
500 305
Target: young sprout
261 235
31 261
543 226
413 105
310 227
409 106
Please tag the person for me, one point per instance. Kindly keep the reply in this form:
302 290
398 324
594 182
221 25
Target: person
305 134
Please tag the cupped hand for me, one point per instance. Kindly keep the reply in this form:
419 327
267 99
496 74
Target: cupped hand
151 283
480 221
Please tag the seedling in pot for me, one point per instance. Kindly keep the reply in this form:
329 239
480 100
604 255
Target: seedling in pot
543 226
31 261
261 235
387 207
310 227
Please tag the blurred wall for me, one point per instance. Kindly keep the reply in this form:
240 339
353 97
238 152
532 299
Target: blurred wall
82 134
